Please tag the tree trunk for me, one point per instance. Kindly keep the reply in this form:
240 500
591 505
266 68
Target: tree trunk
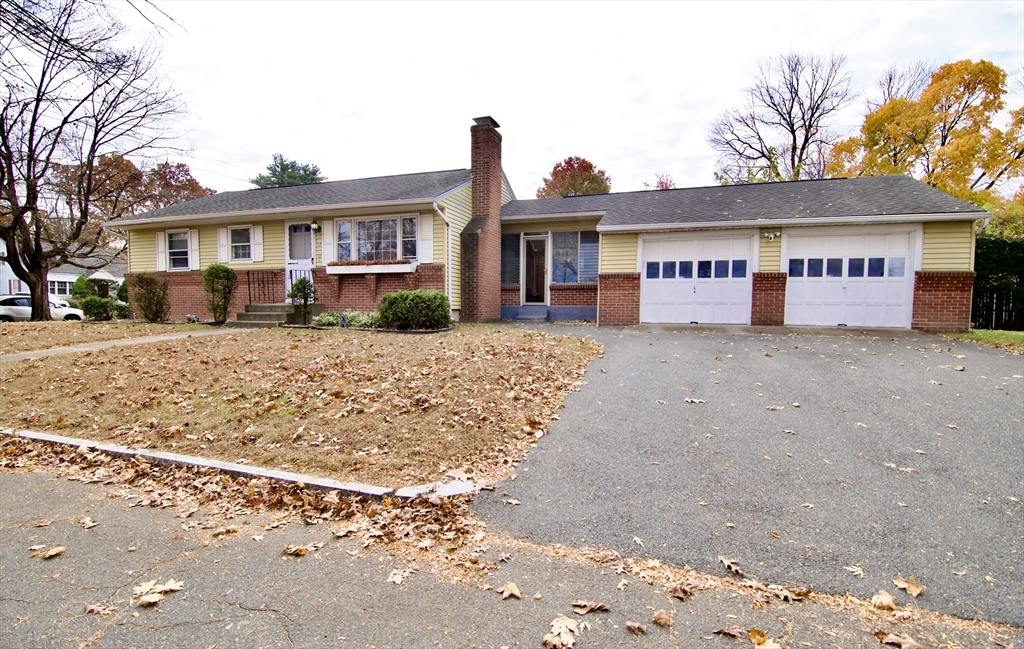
40 290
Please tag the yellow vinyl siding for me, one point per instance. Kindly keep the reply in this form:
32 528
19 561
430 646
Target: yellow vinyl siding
459 209
770 253
618 253
506 192
273 246
948 245
440 240
142 251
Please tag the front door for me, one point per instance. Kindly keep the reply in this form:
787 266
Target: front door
535 288
299 253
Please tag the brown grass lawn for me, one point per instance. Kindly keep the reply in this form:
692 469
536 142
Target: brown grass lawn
17 337
392 410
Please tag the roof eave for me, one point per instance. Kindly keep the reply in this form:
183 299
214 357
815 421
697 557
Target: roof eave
269 214
825 220
555 216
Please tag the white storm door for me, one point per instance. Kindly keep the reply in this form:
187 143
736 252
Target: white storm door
299 253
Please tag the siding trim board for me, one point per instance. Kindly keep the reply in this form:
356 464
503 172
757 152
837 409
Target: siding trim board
807 221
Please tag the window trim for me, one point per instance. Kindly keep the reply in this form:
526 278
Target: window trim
399 239
188 250
252 245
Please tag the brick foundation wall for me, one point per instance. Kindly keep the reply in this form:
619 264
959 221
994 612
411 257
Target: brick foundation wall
510 295
573 294
942 300
362 291
768 306
619 303
186 296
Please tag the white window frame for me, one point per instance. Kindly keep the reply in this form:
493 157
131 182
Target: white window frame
421 240
189 262
231 246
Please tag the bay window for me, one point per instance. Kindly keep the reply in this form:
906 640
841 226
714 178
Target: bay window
387 239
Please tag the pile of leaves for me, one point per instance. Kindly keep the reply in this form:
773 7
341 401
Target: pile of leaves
351 405
19 337
445 524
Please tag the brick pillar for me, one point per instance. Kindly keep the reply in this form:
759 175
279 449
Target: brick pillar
618 299
942 300
768 304
481 239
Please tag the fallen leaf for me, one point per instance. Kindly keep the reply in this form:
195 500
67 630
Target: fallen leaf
662 403
295 550
912 587
563 633
582 607
54 552
903 615
679 591
884 601
509 590
639 541
953 426
730 565
959 368
91 609
773 407
757 636
796 404
622 584
36 548
789 431
398 575
511 501
901 640
538 596
172 586
88 523
661 618
150 600
732 632
257 537
504 557
45 522
689 400
221 532
636 628
143 588
856 570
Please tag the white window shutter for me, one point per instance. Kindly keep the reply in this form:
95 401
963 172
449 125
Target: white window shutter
193 249
257 243
161 251
425 246
222 245
328 233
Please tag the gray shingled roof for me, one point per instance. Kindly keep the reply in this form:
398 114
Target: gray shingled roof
425 186
110 261
839 197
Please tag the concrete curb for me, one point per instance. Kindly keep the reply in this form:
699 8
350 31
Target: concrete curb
174 459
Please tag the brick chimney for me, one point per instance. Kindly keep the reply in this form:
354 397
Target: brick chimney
481 239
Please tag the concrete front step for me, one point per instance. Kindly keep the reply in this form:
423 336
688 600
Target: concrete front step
269 308
253 324
269 316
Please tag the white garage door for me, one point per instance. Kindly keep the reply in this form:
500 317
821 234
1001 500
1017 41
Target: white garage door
855 280
696 280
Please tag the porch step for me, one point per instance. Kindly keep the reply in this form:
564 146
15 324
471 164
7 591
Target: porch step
269 308
532 314
268 316
253 324
263 316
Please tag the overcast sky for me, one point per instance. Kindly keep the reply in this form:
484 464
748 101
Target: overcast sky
388 88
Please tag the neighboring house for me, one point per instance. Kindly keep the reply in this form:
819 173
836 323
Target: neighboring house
105 264
866 252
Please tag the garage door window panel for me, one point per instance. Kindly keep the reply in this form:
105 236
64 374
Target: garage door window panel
668 270
796 267
721 268
704 269
653 270
876 267
815 267
834 268
897 266
686 270
855 267
739 267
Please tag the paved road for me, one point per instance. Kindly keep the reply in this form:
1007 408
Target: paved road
239 592
898 463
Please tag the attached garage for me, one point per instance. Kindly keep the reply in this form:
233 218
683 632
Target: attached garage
702 280
857 279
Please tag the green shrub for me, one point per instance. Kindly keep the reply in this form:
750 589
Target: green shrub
120 310
327 319
151 297
82 289
219 283
421 309
303 293
122 292
98 308
101 287
74 304
363 319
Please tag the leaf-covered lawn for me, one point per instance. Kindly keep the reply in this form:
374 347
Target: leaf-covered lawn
1009 340
18 337
383 409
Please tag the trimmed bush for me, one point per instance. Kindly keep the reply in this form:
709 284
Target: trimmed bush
120 310
303 294
219 283
98 308
82 289
363 319
122 293
151 297
420 309
101 287
327 319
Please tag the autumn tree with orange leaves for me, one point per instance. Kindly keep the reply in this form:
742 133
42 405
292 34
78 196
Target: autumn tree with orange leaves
575 176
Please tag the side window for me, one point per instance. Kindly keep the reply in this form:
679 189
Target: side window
588 256
565 257
796 267
241 244
409 238
344 233
510 259
177 250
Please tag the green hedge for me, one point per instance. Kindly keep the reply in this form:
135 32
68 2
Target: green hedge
98 308
422 309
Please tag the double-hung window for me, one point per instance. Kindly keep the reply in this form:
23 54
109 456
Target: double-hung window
241 244
387 239
177 250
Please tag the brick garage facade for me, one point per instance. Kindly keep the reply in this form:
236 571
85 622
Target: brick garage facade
619 303
942 300
768 306
362 291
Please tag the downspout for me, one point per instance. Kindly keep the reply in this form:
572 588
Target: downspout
448 254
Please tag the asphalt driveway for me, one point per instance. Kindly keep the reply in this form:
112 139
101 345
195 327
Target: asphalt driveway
905 457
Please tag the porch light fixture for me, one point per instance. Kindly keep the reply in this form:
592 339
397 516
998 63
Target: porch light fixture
771 235
314 226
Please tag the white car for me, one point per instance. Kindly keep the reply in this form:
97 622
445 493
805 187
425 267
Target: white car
19 307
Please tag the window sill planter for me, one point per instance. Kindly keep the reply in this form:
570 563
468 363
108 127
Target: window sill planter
360 269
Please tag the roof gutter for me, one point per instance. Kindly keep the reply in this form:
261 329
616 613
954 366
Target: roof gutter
554 216
765 223
266 214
